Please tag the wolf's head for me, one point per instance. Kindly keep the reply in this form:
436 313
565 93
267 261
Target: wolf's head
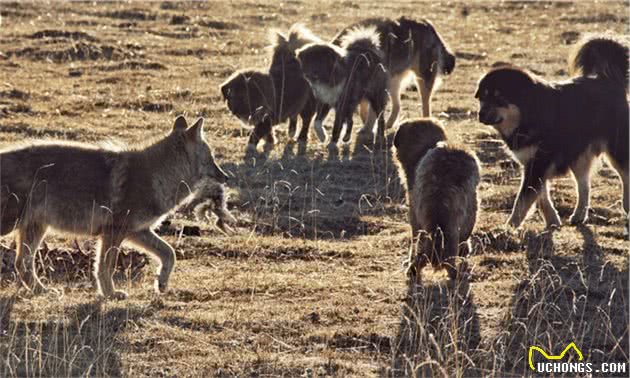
198 151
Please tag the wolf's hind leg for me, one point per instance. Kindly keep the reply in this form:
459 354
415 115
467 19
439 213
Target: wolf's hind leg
161 251
28 239
105 264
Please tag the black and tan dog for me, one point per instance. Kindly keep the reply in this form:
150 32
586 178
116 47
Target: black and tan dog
341 77
552 128
441 181
409 47
265 99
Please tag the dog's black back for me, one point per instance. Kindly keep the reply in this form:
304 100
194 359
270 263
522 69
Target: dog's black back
564 118
404 40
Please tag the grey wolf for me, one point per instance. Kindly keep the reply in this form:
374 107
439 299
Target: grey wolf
409 47
266 99
343 76
441 180
554 127
115 194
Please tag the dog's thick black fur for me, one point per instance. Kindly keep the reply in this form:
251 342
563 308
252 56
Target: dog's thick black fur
554 127
342 77
265 99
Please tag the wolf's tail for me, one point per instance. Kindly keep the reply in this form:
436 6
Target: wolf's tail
602 56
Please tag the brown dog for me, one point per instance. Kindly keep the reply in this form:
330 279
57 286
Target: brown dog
265 99
409 47
441 182
552 128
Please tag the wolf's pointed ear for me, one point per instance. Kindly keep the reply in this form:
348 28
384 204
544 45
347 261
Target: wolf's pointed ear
180 124
196 131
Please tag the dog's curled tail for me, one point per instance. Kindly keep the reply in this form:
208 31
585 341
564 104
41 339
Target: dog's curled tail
363 39
299 36
602 56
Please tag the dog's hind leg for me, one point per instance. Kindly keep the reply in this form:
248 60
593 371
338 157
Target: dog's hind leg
394 92
161 251
368 116
582 174
451 252
425 87
307 115
546 207
619 160
292 127
29 237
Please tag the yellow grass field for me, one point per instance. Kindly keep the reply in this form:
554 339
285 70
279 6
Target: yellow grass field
312 284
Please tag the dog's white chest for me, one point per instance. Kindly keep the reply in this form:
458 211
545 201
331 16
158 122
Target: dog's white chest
327 94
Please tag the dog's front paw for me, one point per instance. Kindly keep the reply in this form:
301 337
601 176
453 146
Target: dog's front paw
514 221
555 222
161 286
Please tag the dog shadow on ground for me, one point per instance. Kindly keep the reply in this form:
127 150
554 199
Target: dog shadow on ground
580 298
81 340
290 192
439 329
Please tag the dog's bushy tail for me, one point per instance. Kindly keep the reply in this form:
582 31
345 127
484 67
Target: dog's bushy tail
602 56
363 39
298 37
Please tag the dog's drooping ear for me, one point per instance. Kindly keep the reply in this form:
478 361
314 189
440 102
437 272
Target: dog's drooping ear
225 90
180 124
195 133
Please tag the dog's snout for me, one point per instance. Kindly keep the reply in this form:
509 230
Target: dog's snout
483 114
449 64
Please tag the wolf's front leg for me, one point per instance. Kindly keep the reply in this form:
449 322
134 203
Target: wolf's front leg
161 251
531 186
105 266
28 239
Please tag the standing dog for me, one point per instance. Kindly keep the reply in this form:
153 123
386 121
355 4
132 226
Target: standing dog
265 99
441 182
409 47
343 76
555 127
116 195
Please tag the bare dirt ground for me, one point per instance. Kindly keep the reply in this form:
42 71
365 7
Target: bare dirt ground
312 284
